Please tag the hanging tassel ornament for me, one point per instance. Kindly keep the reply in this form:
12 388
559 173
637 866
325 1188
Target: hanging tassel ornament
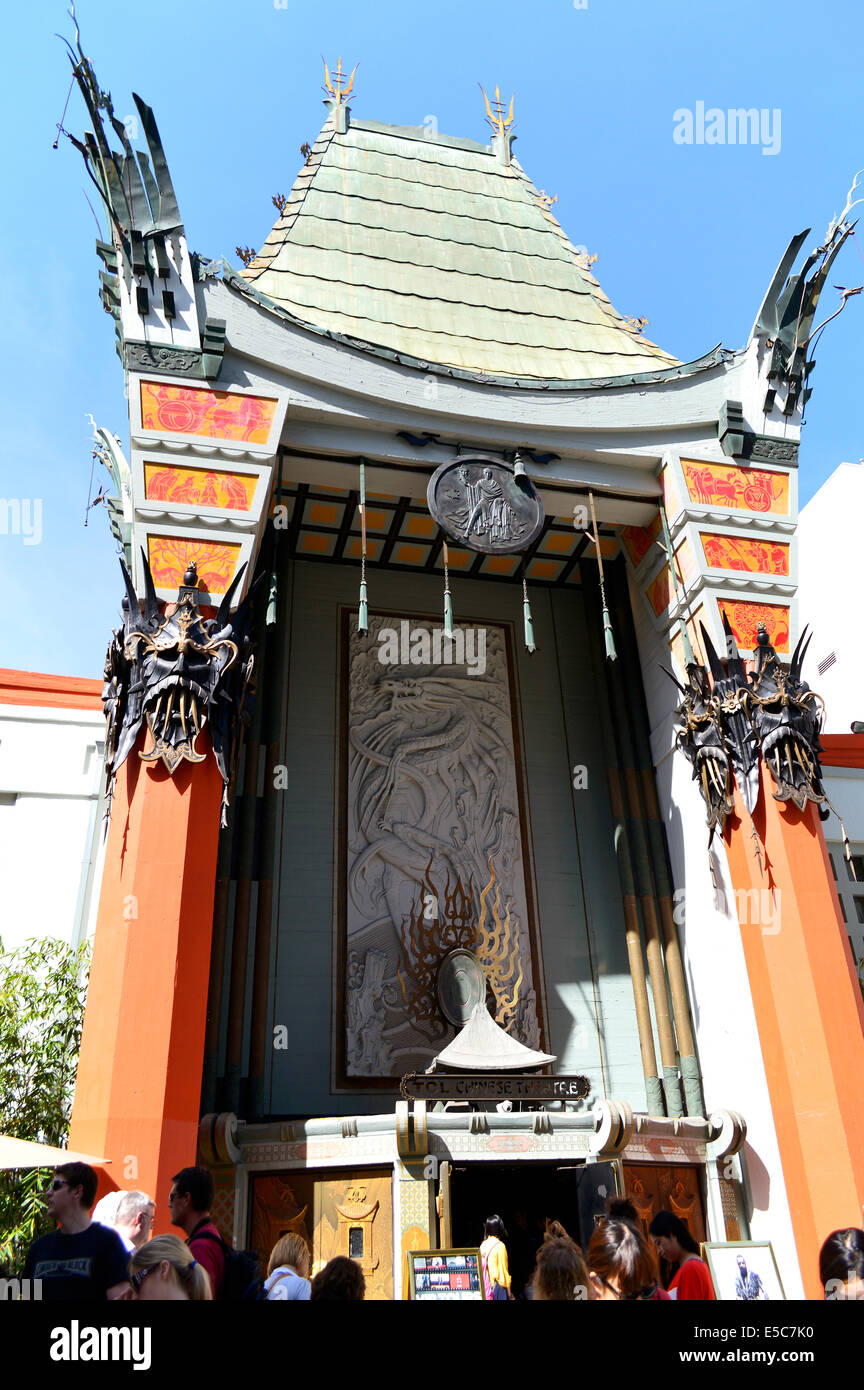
272 600
273 591
448 604
529 625
363 610
608 635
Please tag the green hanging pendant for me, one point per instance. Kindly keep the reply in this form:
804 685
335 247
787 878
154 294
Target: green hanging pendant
272 598
530 645
363 611
448 602
448 616
608 636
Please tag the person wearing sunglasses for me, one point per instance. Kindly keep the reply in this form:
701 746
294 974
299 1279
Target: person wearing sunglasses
165 1271
81 1261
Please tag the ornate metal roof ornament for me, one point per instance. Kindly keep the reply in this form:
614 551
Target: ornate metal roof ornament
335 100
502 126
135 190
499 122
177 671
785 321
337 93
787 716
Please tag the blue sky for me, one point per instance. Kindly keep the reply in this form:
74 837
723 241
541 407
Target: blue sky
687 236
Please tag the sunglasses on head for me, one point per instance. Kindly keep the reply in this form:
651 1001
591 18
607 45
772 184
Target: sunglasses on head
56 1185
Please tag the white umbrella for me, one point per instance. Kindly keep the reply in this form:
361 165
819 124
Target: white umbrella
24 1153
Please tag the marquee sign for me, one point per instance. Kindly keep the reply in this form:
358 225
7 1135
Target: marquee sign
530 1088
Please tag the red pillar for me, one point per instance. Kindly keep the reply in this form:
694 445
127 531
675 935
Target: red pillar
138 1090
809 1013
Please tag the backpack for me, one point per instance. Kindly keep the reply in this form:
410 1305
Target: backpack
240 1282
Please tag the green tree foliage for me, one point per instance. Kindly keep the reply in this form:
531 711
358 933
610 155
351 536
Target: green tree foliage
43 986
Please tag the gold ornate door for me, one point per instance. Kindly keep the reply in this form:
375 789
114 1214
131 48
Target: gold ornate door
354 1217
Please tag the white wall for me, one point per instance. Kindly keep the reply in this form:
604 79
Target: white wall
51 844
830 555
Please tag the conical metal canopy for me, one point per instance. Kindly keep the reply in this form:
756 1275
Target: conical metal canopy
482 1046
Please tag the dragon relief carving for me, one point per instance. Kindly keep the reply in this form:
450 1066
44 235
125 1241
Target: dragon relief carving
434 857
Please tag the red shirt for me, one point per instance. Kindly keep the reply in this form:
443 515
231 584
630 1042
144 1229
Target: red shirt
693 1281
209 1254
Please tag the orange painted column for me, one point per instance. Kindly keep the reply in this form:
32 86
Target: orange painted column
138 1090
809 1013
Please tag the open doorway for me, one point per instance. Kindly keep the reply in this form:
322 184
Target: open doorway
526 1196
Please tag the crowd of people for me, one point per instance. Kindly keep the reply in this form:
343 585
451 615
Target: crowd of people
112 1254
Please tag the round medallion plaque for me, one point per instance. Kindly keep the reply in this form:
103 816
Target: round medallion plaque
483 504
461 985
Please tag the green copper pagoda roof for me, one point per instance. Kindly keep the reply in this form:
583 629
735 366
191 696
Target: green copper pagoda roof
433 247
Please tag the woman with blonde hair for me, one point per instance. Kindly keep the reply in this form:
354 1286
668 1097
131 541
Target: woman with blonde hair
288 1269
165 1270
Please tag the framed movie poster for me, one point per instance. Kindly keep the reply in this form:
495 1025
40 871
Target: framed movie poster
444 1276
744 1271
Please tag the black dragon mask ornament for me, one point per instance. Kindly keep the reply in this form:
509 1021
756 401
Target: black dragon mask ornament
787 716
727 723
178 671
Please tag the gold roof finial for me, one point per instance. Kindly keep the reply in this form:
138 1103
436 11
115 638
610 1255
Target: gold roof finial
499 122
338 93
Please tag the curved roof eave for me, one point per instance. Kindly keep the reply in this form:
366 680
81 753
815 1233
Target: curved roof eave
715 357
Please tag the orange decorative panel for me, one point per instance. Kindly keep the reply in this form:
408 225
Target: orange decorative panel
557 543
170 557
744 617
727 485
410 554
323 514
501 564
218 414
202 487
420 526
544 569
737 553
638 540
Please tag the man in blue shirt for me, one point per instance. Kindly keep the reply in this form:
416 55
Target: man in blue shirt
82 1261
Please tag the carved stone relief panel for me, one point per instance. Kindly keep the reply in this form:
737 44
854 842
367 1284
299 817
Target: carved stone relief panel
433 840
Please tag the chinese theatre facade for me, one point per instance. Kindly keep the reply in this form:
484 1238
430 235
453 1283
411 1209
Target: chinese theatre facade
412 521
